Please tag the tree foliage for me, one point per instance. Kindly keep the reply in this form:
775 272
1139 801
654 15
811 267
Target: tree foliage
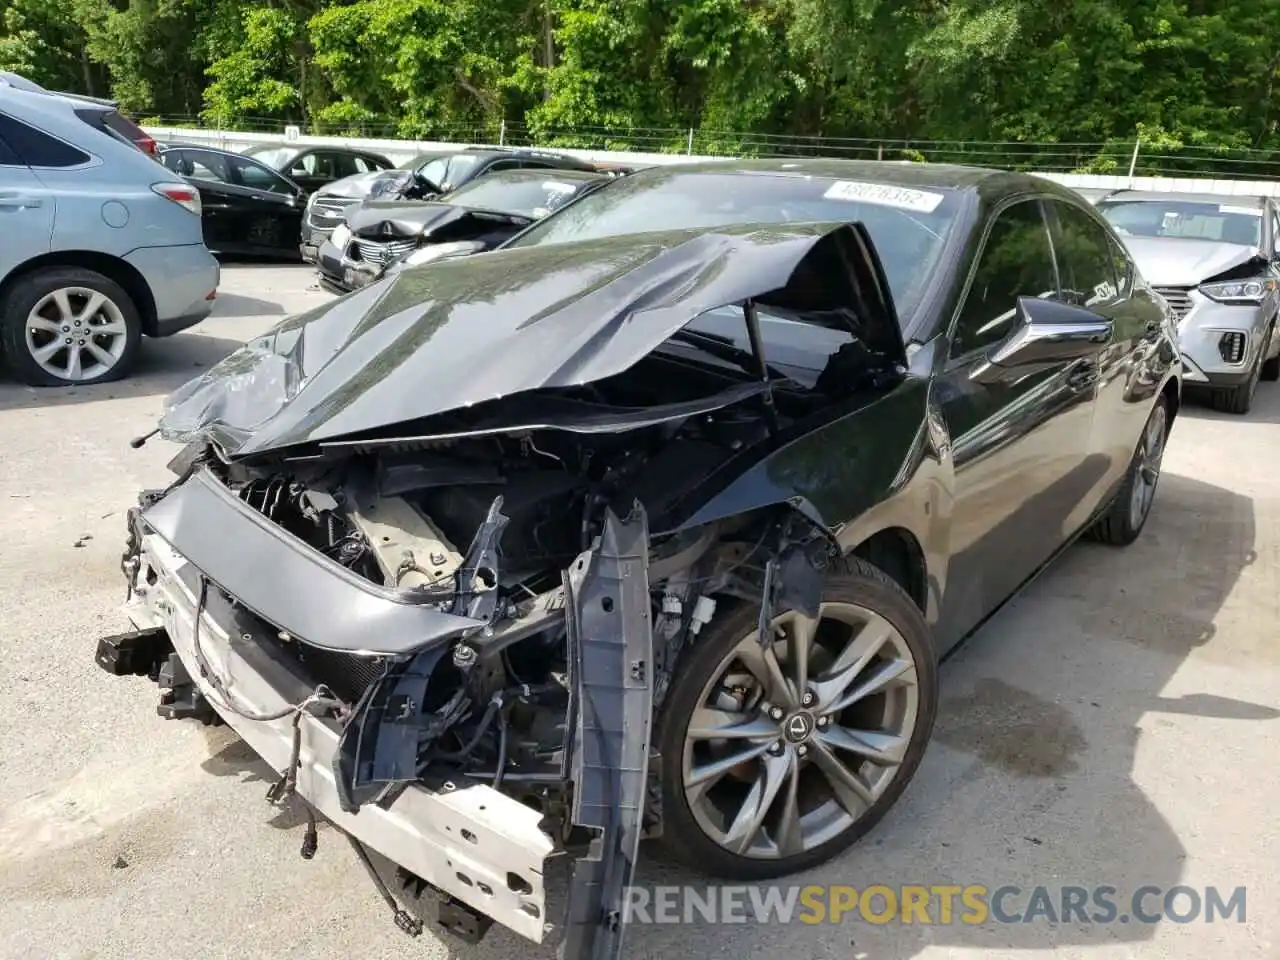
1193 77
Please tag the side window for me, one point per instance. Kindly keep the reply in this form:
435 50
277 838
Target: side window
7 157
1124 267
199 165
366 164
1084 253
1016 261
38 149
249 174
343 165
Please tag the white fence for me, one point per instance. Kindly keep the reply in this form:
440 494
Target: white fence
399 151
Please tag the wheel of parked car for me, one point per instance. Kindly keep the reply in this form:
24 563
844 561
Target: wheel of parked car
67 325
1239 399
1128 512
777 757
1270 368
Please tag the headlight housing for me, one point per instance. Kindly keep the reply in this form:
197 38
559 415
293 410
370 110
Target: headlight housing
1248 290
341 236
438 251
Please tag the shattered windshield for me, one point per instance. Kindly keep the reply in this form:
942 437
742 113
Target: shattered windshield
522 194
1222 222
444 172
909 226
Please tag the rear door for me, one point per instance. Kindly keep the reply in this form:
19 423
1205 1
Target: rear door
27 206
1020 447
1097 276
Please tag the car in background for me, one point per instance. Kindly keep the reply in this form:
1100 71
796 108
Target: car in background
1093 194
656 521
248 208
312 167
327 206
385 235
1216 259
99 246
426 176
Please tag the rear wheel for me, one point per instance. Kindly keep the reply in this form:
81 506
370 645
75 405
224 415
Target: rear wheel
1128 513
776 757
66 326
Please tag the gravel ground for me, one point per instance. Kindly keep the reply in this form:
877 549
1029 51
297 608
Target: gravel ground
1115 725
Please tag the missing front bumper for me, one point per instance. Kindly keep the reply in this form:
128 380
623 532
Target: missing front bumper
482 851
475 844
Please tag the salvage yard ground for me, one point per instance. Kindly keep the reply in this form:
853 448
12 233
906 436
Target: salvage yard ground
1115 725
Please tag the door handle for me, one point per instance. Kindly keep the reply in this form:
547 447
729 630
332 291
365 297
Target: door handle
1084 375
18 201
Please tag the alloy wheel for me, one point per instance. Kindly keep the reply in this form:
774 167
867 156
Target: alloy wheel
1147 474
796 738
76 333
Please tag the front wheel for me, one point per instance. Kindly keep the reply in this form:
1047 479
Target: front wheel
1128 513
778 756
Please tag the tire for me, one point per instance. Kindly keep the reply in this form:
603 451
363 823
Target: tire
34 316
1270 368
1123 521
859 585
1239 400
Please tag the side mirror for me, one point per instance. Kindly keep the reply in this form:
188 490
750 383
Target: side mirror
1046 333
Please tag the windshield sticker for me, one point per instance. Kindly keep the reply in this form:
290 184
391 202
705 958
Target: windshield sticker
904 198
1247 211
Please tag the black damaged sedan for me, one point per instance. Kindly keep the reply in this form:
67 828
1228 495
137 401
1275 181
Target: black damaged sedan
653 523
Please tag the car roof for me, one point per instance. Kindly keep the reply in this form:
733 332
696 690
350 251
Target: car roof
943 176
543 174
1149 195
184 145
571 162
310 148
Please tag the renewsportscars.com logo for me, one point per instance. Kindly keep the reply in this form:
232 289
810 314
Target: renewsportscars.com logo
940 904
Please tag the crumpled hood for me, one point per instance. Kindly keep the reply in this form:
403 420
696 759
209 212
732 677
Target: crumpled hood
358 185
1173 262
456 333
406 219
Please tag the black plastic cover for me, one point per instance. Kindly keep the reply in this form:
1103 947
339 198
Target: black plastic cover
611 650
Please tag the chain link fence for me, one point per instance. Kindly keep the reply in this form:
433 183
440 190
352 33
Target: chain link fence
1112 157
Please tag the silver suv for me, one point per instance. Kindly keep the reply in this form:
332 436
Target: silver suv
1216 259
99 245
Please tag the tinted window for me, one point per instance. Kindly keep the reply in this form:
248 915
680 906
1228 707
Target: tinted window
909 225
368 164
249 174
38 149
1124 268
198 165
7 157
1227 222
1016 261
1084 257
